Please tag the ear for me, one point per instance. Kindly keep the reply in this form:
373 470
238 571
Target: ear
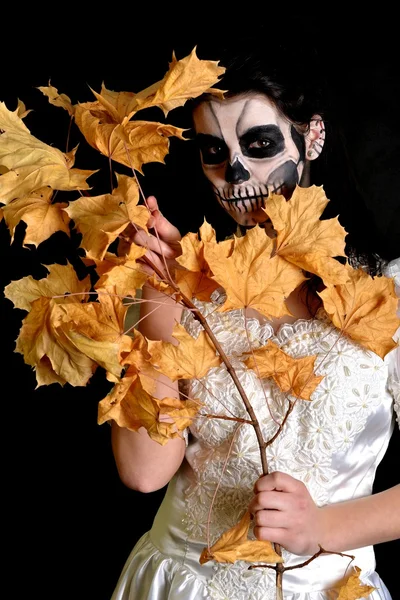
315 138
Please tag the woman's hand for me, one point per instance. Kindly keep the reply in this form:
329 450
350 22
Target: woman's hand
162 243
285 513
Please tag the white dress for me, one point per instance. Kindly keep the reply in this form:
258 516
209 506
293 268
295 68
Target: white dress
333 444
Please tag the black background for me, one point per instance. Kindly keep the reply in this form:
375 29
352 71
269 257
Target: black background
70 522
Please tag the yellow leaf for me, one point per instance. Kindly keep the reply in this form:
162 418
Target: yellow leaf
131 144
186 78
43 344
234 545
41 216
60 286
102 218
136 409
97 330
61 100
293 375
364 308
305 240
354 588
32 164
191 358
38 339
121 272
196 280
250 277
182 412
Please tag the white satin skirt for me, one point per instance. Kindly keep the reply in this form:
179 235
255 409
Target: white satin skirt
151 575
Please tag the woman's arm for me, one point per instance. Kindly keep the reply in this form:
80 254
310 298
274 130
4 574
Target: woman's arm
143 464
285 513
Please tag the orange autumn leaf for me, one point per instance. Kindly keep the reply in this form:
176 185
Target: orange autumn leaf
31 164
186 78
303 238
97 330
60 100
234 545
354 589
102 218
196 280
42 218
132 144
122 273
138 409
364 308
41 341
293 375
250 277
190 358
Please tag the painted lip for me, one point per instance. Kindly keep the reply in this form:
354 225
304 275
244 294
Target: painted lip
261 196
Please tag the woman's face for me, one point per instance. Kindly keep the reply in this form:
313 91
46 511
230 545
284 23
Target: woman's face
248 151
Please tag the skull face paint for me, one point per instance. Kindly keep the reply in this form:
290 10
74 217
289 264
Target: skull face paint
248 151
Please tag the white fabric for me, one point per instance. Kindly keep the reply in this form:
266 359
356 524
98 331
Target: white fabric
333 443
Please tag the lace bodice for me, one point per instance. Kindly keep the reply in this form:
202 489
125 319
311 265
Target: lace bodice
333 443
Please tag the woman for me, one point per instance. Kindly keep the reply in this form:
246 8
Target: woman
265 137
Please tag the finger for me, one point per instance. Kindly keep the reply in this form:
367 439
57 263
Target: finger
270 518
165 229
270 500
275 535
154 244
277 481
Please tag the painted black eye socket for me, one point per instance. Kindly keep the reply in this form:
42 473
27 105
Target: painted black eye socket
213 151
263 141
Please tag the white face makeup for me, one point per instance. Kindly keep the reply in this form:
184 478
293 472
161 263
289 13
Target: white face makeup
248 151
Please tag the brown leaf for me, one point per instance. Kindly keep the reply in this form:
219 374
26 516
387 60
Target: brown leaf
354 588
305 240
364 308
32 164
42 218
191 358
293 375
61 100
250 276
234 545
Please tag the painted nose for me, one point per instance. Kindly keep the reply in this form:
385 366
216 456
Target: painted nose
236 173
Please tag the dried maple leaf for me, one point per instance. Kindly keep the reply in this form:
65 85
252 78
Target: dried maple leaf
136 409
250 277
131 144
186 78
234 545
196 280
61 100
122 273
354 588
293 375
42 218
191 358
97 329
102 218
32 164
43 344
364 308
305 240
